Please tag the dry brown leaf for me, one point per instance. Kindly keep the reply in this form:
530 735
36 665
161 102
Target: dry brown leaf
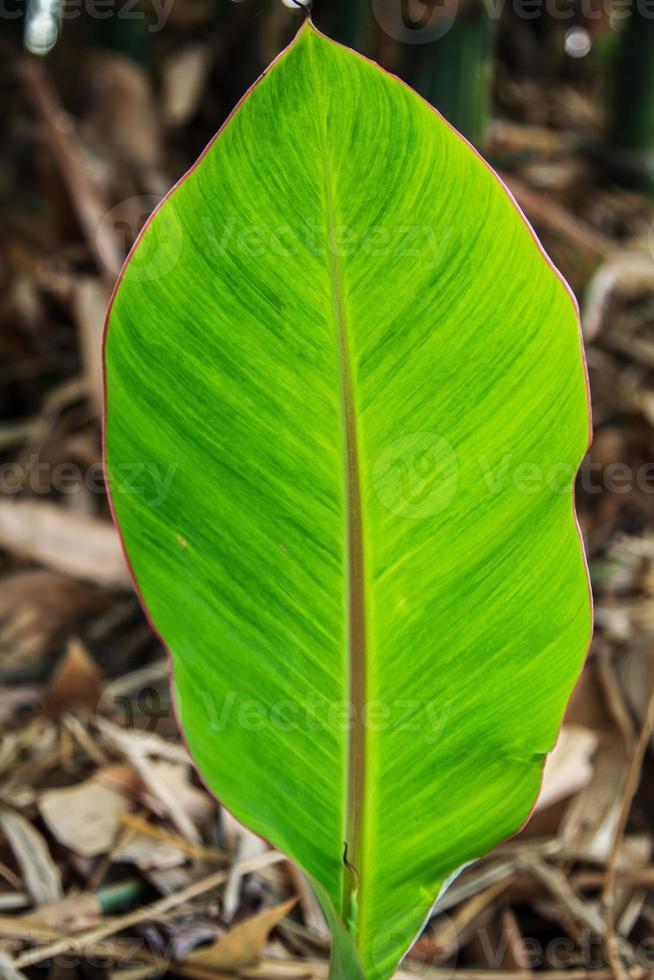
73 913
590 821
84 818
90 301
118 923
312 913
636 673
135 972
125 118
634 854
505 135
170 785
80 546
40 874
36 607
66 150
139 825
541 208
16 697
120 776
166 779
628 273
185 74
13 901
7 970
187 14
131 743
148 853
243 945
517 955
555 881
244 845
77 682
569 767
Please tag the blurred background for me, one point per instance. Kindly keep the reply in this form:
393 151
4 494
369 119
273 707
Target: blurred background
113 860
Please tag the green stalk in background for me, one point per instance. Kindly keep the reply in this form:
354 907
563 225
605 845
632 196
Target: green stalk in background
348 21
632 123
454 73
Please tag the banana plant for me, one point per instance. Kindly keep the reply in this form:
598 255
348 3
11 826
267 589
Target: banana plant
341 350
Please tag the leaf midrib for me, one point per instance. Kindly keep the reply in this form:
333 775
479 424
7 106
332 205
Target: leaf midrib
356 622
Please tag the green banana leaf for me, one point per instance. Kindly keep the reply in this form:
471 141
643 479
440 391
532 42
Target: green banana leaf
345 403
